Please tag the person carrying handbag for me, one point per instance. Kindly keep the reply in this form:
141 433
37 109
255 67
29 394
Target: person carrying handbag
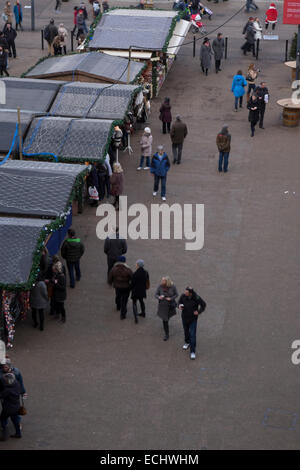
166 294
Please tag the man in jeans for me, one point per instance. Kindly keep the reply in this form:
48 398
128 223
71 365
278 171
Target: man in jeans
160 165
191 305
72 250
178 134
223 143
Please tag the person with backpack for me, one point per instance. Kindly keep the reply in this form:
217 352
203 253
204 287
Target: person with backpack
223 143
72 250
50 32
191 306
114 246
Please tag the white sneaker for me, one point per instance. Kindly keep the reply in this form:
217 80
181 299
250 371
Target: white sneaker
193 356
164 198
146 167
185 346
139 168
154 193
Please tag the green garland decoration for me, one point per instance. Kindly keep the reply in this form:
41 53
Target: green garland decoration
154 78
293 50
57 223
175 20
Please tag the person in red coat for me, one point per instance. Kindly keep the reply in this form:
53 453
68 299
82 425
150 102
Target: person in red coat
165 115
271 16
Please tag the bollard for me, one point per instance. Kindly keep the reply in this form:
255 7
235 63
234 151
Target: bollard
194 46
226 47
42 38
286 50
72 41
257 48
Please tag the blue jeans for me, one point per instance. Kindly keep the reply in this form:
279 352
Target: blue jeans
223 156
71 267
142 161
16 422
236 101
190 330
163 180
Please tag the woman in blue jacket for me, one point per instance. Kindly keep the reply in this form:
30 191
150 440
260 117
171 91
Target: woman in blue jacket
18 15
160 165
238 89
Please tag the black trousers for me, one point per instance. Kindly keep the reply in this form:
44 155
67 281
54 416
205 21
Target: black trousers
166 326
121 300
165 126
110 263
60 309
3 69
12 49
218 65
261 115
40 313
134 305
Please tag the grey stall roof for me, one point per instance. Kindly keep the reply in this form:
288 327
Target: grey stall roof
8 121
36 188
30 95
97 64
69 139
116 31
93 100
19 239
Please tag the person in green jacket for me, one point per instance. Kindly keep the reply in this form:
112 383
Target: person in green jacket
72 250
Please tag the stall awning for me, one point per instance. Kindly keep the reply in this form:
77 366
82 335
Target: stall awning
178 37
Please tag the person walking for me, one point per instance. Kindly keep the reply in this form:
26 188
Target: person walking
271 16
7 15
50 32
48 280
160 165
253 118
139 284
117 183
57 6
72 250
166 293
120 277
10 36
63 34
146 149
114 247
10 397
165 115
251 76
59 291
191 305
3 62
205 56
238 89
178 134
8 367
218 46
223 143
262 94
39 301
250 35
258 29
18 15
250 4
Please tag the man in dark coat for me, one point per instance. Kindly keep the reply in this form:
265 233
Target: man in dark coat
59 291
10 36
253 106
262 94
114 246
10 397
191 305
139 284
50 32
120 277
72 250
205 56
218 46
223 143
178 134
250 35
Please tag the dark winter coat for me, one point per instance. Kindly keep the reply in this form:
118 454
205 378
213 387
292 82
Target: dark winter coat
218 48
39 296
117 184
253 113
115 247
166 308
138 283
260 93
3 42
223 142
193 303
19 378
3 59
205 56
160 167
165 112
120 276
178 132
10 396
250 34
10 35
59 287
50 33
72 249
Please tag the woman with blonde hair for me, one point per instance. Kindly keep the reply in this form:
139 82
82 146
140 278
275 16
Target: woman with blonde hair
251 77
166 294
117 183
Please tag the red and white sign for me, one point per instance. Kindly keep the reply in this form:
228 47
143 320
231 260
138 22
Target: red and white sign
291 12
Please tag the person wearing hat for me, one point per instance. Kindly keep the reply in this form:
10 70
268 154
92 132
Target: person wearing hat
160 165
178 134
191 305
223 143
10 398
139 284
146 148
120 277
271 16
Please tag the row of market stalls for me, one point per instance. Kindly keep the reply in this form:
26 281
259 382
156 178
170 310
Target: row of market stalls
70 107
